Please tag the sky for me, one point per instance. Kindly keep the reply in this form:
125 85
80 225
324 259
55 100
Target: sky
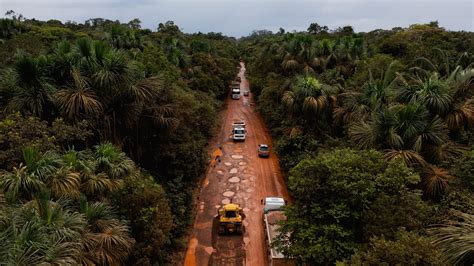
240 18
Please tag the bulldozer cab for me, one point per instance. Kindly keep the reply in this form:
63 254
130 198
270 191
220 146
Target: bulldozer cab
230 219
230 211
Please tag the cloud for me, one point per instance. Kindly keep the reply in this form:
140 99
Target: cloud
239 18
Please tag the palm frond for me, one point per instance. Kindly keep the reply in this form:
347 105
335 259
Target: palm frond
435 181
364 134
64 184
78 99
409 157
455 238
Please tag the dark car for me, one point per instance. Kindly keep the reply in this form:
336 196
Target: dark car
263 150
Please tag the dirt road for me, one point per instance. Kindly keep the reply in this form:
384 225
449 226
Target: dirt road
241 177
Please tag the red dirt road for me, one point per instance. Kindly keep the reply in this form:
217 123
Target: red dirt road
241 177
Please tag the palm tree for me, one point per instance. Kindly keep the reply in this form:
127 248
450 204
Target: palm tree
58 221
29 87
308 97
301 54
461 111
108 241
40 172
456 239
96 213
64 183
78 100
441 62
435 181
20 183
40 165
64 59
446 87
84 168
398 129
344 53
41 231
111 245
95 185
375 95
113 161
433 92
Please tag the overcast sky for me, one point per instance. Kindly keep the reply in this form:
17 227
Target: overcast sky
240 18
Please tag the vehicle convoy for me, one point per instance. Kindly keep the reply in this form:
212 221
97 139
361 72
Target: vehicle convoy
230 219
272 214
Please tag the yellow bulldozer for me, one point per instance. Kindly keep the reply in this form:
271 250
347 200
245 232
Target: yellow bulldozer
230 219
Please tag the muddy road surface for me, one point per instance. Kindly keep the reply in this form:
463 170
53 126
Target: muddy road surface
236 174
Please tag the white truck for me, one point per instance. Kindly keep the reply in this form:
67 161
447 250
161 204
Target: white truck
235 93
238 124
238 131
238 134
271 216
235 90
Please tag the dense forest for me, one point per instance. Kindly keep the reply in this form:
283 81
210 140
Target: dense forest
375 132
104 129
103 133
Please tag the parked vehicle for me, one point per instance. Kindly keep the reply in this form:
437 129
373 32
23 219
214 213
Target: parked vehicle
271 216
246 92
263 150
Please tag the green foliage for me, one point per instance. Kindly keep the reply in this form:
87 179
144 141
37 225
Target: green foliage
18 132
336 197
85 226
407 92
144 203
407 249
464 169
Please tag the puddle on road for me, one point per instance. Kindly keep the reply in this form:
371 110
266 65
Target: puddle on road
234 171
225 201
220 172
242 163
246 209
234 179
227 164
249 190
228 193
237 156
